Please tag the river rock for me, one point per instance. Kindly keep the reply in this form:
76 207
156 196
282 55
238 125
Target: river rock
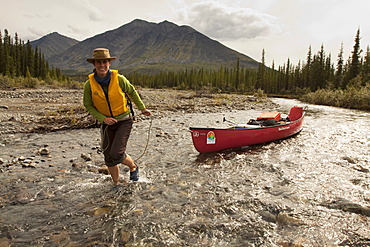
23 197
361 168
267 216
103 170
22 158
86 157
286 219
125 236
295 243
43 151
98 211
350 160
347 206
29 165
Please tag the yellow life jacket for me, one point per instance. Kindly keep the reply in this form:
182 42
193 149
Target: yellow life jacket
116 102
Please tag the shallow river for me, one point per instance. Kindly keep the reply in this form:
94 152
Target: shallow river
309 190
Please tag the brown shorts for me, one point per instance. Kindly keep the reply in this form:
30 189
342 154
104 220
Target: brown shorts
114 141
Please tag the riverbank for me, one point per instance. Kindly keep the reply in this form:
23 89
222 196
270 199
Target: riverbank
45 110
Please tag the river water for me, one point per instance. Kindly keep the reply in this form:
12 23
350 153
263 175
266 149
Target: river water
309 190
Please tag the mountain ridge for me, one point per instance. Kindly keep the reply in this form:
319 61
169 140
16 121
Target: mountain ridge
142 46
53 43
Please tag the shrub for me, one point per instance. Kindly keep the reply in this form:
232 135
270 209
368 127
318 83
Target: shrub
354 97
30 82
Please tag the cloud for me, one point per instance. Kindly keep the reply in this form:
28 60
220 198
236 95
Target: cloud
36 33
93 12
229 23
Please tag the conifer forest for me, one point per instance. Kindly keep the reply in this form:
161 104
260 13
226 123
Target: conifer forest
317 72
320 78
19 60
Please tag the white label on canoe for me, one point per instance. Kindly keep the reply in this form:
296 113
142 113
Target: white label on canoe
211 137
283 128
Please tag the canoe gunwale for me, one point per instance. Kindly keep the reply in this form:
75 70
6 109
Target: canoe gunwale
244 129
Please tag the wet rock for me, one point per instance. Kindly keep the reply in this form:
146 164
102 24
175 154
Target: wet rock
21 158
286 219
347 206
77 166
356 241
61 239
43 151
138 211
295 243
23 197
28 161
86 157
267 216
98 211
44 195
32 165
125 236
350 160
103 171
360 168
73 160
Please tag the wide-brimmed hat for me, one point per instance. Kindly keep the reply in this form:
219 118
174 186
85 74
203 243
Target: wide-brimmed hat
100 54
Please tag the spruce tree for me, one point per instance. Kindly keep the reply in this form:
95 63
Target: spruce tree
338 79
354 65
237 75
366 68
2 54
261 72
6 46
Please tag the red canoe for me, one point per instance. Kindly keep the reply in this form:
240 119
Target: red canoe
215 139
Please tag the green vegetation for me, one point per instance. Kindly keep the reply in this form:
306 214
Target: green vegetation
23 66
315 80
353 97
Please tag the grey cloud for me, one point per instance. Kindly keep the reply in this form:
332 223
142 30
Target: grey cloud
36 33
230 23
93 13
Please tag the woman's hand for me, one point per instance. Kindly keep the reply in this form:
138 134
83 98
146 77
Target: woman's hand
110 120
146 112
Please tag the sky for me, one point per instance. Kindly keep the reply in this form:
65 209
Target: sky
284 29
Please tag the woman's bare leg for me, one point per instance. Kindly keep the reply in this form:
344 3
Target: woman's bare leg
114 172
129 163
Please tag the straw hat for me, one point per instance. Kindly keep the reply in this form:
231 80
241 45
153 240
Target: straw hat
100 54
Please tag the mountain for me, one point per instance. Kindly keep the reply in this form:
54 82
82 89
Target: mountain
53 44
151 47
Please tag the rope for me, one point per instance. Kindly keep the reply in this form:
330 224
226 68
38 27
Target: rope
147 140
146 145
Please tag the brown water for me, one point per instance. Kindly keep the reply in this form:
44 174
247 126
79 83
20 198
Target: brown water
309 190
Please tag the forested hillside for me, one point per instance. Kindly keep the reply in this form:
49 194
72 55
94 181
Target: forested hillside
19 60
317 72
317 79
346 84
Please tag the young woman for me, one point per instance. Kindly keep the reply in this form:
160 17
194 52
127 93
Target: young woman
104 98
